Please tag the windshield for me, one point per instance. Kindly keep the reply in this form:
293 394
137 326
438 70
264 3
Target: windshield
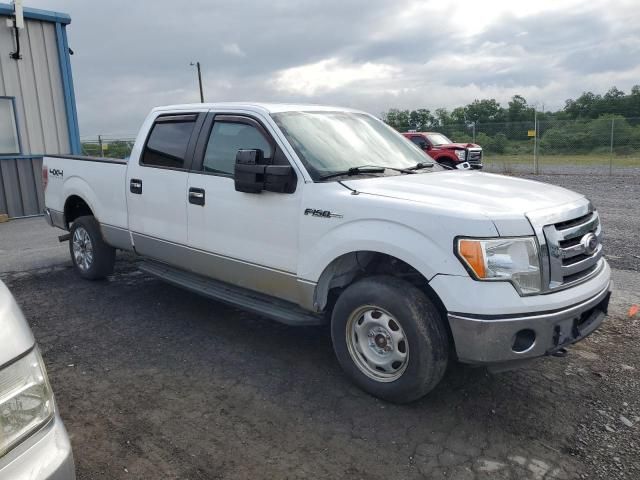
438 139
332 142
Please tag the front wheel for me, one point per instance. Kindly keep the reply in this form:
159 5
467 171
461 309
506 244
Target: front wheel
390 338
92 258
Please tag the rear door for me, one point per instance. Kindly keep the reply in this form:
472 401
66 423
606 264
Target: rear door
248 239
157 186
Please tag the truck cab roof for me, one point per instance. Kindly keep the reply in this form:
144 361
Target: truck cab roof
257 107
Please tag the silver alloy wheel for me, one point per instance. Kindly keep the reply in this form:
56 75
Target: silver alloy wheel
377 343
82 249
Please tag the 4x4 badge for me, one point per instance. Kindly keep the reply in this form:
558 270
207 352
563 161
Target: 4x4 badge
314 212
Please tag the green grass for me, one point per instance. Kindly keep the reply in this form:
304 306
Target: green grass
589 159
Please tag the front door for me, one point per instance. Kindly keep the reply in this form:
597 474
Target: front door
248 239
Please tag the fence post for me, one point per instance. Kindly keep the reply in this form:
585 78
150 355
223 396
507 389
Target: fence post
611 149
536 167
100 143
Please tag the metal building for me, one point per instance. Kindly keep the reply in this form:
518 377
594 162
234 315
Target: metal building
37 104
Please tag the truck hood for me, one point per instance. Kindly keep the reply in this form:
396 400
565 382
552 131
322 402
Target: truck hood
495 196
457 145
15 334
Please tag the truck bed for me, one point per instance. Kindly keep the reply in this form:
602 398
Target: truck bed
99 181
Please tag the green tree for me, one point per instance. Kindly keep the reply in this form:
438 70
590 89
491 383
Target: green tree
519 110
443 117
421 120
398 119
484 111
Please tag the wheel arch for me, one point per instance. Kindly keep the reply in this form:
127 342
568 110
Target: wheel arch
350 267
75 206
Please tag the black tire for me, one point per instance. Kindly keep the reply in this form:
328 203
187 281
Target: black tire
103 255
420 322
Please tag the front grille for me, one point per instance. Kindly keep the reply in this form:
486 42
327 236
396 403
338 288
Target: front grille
474 157
570 259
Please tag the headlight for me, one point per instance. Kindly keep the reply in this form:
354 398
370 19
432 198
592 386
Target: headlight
503 259
461 154
26 400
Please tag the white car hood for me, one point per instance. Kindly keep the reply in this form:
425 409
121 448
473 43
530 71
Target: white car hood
495 196
15 334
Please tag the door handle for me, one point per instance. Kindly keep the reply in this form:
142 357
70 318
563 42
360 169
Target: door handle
135 186
196 196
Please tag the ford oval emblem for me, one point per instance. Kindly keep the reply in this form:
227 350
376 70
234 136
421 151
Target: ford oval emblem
590 243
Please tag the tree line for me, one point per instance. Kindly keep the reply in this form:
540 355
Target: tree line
583 125
587 106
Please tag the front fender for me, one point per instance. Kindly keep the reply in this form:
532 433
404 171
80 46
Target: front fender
391 238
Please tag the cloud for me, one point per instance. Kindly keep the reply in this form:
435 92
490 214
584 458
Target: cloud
367 54
328 75
233 49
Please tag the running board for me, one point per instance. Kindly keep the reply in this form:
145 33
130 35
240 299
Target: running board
270 307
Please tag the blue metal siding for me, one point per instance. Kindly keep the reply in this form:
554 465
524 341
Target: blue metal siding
67 85
37 14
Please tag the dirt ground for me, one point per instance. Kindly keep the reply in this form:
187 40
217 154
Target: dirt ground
154 382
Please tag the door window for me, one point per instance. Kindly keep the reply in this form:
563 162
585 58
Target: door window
419 141
168 141
224 142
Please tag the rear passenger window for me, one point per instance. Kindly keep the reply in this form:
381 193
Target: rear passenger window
224 142
168 141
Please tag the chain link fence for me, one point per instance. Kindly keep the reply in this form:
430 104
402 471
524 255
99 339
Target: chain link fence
603 146
109 146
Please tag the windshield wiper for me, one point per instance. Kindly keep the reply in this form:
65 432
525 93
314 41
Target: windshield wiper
421 165
363 170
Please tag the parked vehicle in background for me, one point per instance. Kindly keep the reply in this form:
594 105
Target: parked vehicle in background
33 441
446 152
308 214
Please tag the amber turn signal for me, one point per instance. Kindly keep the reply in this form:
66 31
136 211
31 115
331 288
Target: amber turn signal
471 251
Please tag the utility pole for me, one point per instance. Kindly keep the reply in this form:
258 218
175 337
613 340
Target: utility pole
197 64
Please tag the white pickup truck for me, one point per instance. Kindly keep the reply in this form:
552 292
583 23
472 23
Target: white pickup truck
309 214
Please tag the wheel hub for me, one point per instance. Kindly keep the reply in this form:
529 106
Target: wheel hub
82 248
377 343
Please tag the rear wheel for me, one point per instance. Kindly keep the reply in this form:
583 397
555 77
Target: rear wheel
389 338
92 258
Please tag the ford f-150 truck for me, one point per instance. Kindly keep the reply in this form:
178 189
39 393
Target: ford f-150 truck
309 214
446 152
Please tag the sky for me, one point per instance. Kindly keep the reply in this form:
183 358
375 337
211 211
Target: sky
130 56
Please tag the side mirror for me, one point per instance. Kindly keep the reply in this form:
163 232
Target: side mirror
463 166
248 173
252 176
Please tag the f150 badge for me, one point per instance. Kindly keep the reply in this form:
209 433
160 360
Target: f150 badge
314 212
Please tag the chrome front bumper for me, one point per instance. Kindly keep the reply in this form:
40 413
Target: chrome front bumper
487 339
44 456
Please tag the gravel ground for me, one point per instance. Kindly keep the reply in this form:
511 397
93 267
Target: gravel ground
154 382
600 170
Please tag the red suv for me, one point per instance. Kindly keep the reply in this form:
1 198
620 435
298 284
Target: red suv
444 151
